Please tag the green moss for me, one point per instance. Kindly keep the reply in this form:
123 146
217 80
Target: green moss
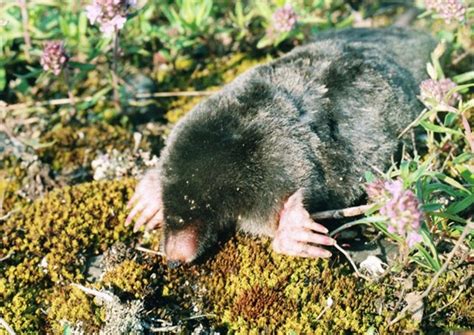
69 304
75 148
247 287
211 78
49 241
130 277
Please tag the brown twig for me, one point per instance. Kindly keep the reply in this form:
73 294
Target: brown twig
422 114
67 79
345 253
10 213
6 257
98 294
115 77
149 251
166 329
26 33
448 304
341 213
467 228
66 101
467 129
7 327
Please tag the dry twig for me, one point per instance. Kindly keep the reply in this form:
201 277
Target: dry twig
352 262
341 213
149 251
7 327
101 295
467 228
25 23
66 101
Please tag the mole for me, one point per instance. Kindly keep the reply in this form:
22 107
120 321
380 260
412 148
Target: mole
285 139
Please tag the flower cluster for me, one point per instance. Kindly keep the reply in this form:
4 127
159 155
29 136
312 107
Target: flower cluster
449 10
284 19
400 206
109 14
54 57
433 92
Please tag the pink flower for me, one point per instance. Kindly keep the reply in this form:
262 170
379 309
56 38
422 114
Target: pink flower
111 15
400 207
54 57
434 92
93 12
452 10
413 238
449 10
284 19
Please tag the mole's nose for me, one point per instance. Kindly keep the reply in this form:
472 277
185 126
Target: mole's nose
173 264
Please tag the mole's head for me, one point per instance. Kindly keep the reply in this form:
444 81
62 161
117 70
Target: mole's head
210 170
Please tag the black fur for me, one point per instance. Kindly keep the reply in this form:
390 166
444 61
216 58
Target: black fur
317 119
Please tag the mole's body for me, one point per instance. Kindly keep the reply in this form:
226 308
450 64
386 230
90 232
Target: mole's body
292 136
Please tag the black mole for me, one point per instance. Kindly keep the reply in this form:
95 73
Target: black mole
283 139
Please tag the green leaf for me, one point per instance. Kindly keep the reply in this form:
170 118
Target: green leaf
369 176
264 42
3 78
431 207
464 77
439 129
459 206
452 182
464 157
82 66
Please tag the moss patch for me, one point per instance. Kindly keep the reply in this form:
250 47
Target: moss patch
244 286
48 243
75 148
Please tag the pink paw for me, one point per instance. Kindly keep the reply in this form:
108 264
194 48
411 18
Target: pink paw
146 202
297 233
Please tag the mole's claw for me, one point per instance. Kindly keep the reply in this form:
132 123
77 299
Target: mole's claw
155 221
132 200
296 234
138 208
149 212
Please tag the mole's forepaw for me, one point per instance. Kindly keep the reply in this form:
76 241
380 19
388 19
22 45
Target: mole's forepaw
297 233
146 203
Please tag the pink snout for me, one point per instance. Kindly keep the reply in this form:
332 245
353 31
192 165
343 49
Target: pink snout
181 246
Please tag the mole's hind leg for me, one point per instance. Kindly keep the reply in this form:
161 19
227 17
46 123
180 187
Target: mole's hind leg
297 233
146 203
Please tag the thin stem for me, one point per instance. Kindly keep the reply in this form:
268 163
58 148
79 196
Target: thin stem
345 253
115 79
66 101
101 295
25 23
467 228
72 102
467 129
341 213
8 328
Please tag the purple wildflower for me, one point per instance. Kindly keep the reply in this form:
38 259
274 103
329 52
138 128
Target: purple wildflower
433 92
452 10
54 57
111 15
376 190
432 4
284 19
400 206
449 10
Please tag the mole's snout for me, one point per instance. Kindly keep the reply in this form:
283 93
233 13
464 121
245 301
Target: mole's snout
181 246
